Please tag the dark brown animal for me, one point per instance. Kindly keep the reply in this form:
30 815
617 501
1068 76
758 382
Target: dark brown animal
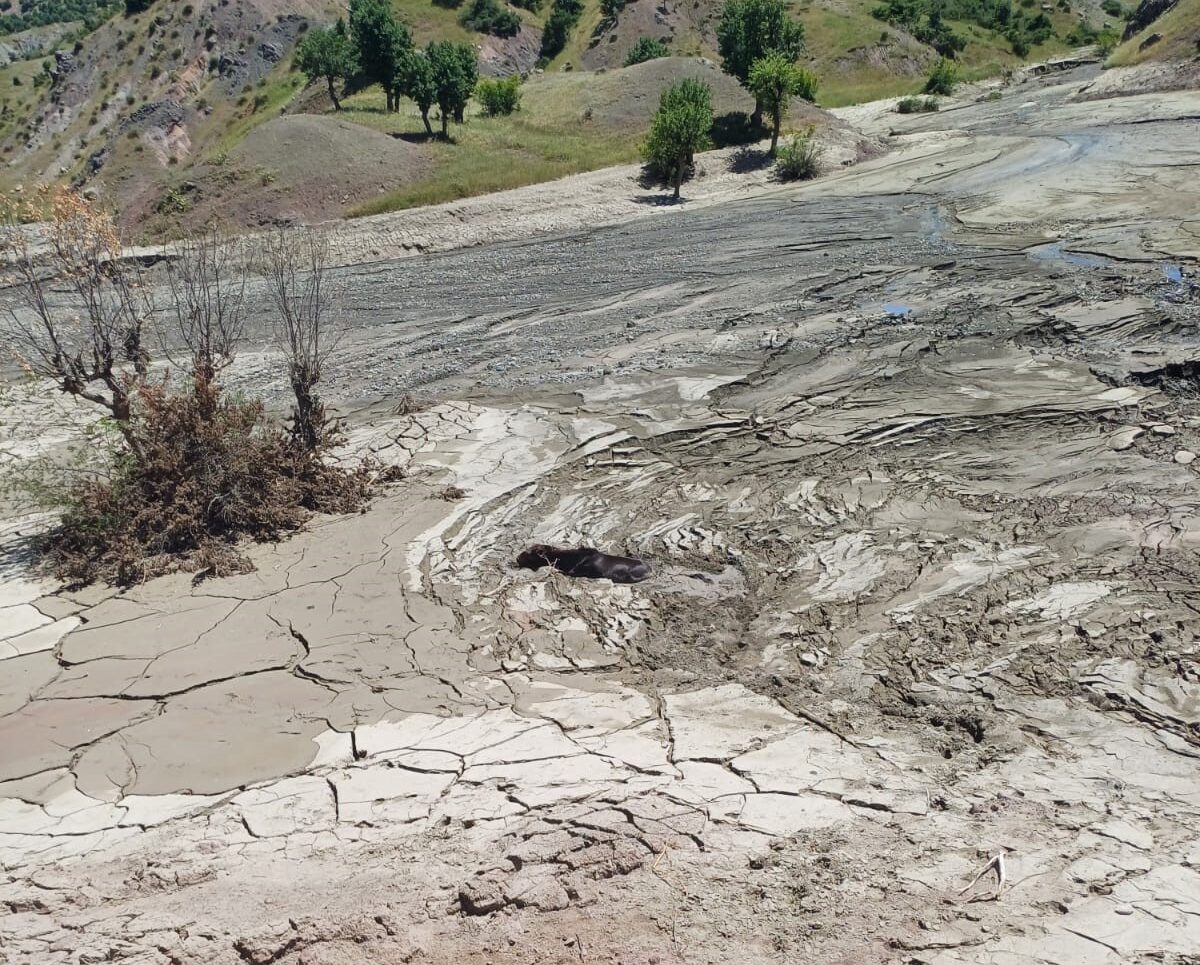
585 562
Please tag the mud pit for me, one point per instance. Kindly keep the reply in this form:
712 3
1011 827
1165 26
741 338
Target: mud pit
906 449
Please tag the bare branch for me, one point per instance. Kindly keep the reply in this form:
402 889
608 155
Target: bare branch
295 264
83 308
206 277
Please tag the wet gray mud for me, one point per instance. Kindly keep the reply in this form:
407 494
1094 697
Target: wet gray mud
924 593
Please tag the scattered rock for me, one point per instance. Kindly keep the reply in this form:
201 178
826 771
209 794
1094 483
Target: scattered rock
1162 429
543 893
1185 457
1123 439
482 896
64 63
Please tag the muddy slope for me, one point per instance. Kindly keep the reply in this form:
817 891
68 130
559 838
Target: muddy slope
911 452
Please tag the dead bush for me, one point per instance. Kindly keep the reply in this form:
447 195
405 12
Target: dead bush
212 470
184 472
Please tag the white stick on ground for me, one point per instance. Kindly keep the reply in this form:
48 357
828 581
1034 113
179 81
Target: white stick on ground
997 862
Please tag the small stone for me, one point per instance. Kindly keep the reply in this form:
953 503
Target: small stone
544 895
1185 457
809 658
1162 429
1123 439
482 896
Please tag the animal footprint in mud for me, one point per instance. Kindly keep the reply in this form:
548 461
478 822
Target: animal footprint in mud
585 562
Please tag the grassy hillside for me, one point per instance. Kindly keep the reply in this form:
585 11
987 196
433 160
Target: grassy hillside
569 122
174 114
1179 33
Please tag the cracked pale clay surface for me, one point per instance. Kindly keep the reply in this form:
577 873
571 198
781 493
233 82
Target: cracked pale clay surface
907 448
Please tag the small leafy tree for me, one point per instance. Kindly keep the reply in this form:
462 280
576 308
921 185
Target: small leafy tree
414 79
327 54
455 74
774 81
380 41
942 78
646 48
680 128
750 30
499 97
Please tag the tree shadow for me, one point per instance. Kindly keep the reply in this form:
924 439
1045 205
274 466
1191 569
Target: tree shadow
750 159
649 178
19 551
734 128
416 137
663 200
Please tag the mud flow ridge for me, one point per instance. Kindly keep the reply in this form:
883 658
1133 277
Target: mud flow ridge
916 481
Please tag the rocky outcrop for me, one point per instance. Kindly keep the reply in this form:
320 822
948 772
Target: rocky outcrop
1147 12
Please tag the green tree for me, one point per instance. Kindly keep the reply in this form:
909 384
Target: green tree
557 31
455 74
680 128
327 55
499 97
488 17
942 78
646 48
750 30
380 40
414 79
774 81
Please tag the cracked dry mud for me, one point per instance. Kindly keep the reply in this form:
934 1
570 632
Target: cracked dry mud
903 448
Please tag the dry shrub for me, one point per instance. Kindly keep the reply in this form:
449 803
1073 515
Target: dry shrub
212 470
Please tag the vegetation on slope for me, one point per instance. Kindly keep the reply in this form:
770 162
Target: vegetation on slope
153 107
39 13
1173 36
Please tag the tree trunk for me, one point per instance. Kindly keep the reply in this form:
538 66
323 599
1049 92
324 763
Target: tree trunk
445 121
425 119
308 418
121 408
458 115
337 104
756 117
679 166
391 100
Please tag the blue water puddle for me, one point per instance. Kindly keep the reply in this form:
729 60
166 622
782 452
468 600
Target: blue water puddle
1056 252
896 309
1173 273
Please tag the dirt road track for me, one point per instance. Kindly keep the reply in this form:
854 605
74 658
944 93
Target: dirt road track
910 451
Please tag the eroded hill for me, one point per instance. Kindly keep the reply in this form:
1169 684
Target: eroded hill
185 112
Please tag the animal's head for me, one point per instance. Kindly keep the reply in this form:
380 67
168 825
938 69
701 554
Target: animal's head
536 557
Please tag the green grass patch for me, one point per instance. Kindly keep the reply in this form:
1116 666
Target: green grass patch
489 153
261 105
1180 31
